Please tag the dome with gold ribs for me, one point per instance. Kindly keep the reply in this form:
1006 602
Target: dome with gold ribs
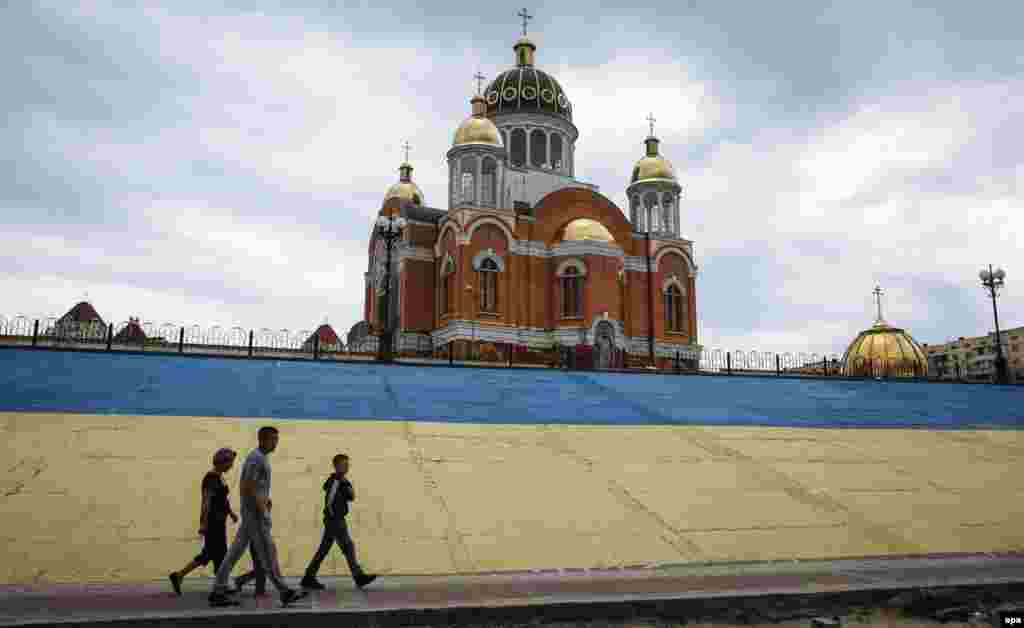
405 189
652 165
587 229
477 129
525 89
884 351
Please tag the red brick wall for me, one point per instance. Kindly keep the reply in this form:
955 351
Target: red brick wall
529 293
418 296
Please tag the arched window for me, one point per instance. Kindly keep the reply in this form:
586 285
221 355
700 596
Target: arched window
443 298
488 180
635 214
668 216
675 309
518 148
453 184
651 210
488 286
468 168
380 309
572 293
538 148
556 153
447 278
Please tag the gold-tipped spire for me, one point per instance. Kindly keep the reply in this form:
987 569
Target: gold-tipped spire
478 106
405 170
526 17
524 48
884 350
651 142
879 322
405 189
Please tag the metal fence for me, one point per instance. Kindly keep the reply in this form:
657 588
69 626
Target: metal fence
236 341
165 338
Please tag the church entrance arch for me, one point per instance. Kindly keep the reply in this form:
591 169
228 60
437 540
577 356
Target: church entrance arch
604 345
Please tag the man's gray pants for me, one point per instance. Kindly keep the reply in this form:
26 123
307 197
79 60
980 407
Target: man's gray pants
254 530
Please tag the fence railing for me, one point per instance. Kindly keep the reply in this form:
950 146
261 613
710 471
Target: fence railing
134 335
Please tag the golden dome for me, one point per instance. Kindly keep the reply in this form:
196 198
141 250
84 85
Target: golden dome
656 167
884 350
477 130
587 229
405 189
652 165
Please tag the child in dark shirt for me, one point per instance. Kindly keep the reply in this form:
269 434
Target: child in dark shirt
215 510
338 492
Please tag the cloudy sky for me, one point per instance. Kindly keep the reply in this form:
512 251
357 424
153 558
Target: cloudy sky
222 165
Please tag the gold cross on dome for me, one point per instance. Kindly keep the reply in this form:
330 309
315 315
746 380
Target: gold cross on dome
406 147
479 82
526 16
651 121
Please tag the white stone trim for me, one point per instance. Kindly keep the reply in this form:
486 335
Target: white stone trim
586 247
536 248
449 225
665 249
447 265
479 258
617 326
565 336
490 220
422 223
532 248
673 280
420 253
637 263
573 261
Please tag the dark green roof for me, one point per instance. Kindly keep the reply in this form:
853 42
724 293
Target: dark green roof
526 89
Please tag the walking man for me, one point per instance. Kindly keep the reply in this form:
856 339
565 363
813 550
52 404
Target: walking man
254 490
338 492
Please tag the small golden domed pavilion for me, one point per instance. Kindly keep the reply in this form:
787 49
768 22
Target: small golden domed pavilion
477 129
652 165
405 189
884 351
587 229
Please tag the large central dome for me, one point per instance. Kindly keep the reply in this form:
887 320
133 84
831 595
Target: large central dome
526 89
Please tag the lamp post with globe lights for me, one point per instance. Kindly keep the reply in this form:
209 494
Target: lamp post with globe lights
992 281
389 229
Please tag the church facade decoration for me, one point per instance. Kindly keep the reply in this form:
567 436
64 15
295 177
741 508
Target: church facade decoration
528 257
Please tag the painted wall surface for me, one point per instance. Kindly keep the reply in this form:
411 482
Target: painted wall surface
174 385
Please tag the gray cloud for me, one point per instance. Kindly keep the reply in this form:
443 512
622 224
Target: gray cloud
823 148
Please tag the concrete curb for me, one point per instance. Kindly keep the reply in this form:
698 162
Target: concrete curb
744 595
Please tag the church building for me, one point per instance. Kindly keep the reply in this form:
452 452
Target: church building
527 256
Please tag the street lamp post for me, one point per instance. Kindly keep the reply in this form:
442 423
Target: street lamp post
650 287
389 228
992 282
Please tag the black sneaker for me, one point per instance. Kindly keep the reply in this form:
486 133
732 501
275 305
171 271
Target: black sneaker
240 583
291 595
218 600
309 582
364 580
176 582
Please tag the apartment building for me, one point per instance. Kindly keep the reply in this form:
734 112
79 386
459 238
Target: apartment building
974 358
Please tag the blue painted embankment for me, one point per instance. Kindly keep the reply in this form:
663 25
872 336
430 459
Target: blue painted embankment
83 382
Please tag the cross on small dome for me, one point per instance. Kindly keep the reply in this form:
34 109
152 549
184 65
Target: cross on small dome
526 16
